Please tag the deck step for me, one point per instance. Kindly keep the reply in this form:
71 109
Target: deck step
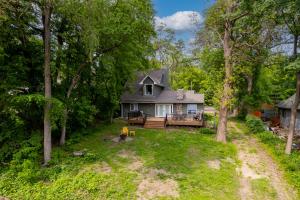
154 124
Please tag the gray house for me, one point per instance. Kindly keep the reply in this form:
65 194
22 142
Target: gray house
285 113
152 95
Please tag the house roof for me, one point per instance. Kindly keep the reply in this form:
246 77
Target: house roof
288 103
166 96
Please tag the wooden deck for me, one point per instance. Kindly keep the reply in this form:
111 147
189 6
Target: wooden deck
171 122
159 122
155 122
136 120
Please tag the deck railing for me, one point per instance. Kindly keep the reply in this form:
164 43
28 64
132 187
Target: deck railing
184 117
137 116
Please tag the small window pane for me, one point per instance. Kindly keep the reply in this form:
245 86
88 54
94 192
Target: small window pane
148 90
192 108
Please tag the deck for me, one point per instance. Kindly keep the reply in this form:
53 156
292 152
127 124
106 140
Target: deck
169 120
136 120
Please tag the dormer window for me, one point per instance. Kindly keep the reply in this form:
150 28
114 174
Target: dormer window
148 89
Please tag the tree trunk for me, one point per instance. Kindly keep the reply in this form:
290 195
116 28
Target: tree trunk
293 118
295 50
65 114
225 101
63 128
249 84
47 77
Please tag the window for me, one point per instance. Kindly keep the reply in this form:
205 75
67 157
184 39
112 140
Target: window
192 108
148 89
283 113
134 107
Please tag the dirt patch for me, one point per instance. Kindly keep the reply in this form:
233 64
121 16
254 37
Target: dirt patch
150 188
154 173
229 160
258 164
214 164
126 154
137 164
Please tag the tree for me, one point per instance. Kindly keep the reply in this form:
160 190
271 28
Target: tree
294 109
289 14
117 42
237 26
47 9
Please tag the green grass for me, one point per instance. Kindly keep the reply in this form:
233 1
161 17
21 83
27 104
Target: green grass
181 154
262 189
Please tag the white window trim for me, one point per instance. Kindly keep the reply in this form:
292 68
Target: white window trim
135 107
187 108
145 89
156 106
142 82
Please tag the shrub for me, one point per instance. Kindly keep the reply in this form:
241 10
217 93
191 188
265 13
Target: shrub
255 124
206 131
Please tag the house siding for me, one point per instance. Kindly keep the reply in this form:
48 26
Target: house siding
147 108
285 116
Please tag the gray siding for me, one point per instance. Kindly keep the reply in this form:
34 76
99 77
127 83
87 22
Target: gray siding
285 116
147 108
126 108
148 81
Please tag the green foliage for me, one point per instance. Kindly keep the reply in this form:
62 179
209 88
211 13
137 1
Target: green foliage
207 131
25 162
255 124
82 113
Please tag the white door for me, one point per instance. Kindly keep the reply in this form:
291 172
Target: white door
163 109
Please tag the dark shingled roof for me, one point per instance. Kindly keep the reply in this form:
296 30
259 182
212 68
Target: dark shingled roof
288 103
166 96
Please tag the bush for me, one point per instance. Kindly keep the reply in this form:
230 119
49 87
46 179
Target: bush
210 120
206 131
255 124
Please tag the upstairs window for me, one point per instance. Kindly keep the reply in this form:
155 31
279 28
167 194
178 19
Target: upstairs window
148 89
192 108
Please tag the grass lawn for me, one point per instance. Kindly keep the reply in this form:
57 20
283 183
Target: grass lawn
157 164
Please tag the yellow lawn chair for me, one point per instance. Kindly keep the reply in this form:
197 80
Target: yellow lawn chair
127 132
124 131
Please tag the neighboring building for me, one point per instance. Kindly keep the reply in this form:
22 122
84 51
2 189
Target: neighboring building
151 94
285 113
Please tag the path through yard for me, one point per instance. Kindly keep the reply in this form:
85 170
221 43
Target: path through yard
260 177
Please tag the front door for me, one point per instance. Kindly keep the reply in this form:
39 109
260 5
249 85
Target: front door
161 110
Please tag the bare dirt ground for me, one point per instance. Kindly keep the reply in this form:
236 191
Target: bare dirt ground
257 164
150 185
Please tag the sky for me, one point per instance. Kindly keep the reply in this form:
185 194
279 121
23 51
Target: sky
176 14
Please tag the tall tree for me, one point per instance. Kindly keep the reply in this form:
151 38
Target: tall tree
47 8
234 25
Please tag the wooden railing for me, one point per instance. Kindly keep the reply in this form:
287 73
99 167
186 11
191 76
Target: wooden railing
183 117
